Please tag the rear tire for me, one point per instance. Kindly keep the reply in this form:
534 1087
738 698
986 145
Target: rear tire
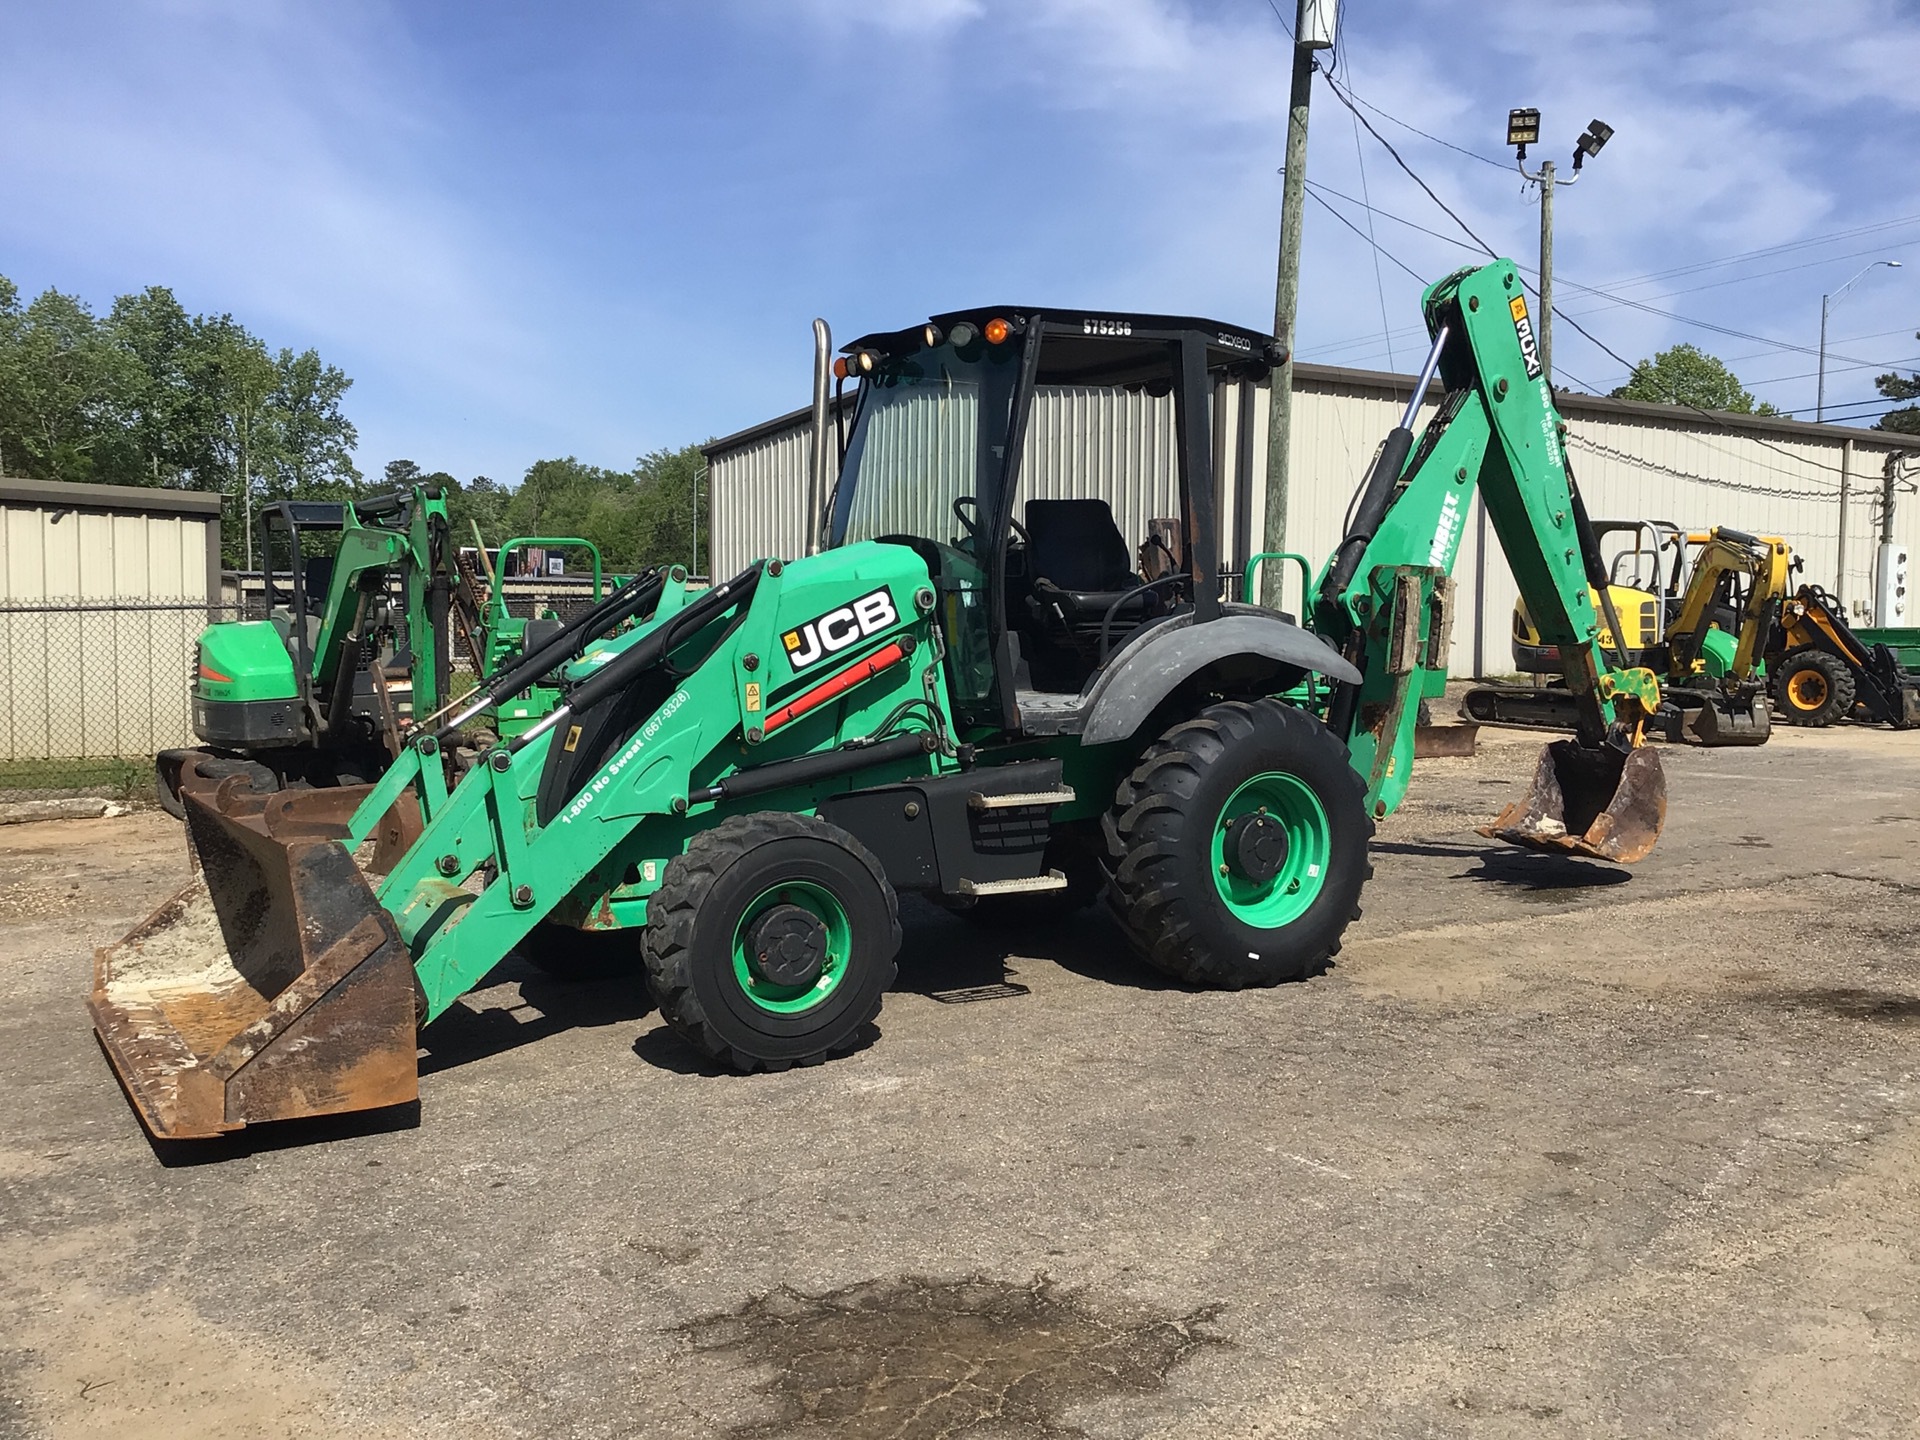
771 941
1814 688
1240 847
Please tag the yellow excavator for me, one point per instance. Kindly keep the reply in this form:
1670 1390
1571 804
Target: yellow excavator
1698 608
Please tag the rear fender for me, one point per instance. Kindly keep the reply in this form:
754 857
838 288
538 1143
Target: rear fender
1152 665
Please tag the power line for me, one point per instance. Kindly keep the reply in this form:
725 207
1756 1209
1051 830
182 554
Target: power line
1379 285
1612 452
1608 294
1412 174
1381 249
1424 135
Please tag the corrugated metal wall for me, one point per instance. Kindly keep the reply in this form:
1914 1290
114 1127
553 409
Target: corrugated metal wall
99 612
53 552
1638 462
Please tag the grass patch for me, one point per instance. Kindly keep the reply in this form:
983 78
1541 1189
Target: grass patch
114 777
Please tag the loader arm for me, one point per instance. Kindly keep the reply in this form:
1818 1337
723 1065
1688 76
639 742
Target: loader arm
1385 598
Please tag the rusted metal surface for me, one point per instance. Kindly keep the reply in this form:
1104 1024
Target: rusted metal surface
1444 742
273 986
1596 802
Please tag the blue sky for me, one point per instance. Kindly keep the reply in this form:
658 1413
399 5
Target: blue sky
602 229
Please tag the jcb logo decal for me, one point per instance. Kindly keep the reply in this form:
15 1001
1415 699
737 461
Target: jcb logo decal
1523 327
829 634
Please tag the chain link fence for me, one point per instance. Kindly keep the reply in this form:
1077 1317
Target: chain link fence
94 688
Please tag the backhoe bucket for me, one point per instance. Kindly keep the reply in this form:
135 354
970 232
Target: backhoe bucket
1589 802
273 986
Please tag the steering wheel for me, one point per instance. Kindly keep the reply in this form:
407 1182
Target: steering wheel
962 503
969 523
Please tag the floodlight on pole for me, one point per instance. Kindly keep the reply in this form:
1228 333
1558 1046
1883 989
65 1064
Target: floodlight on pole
1523 129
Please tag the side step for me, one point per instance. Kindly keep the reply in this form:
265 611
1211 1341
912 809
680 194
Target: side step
1029 885
1021 801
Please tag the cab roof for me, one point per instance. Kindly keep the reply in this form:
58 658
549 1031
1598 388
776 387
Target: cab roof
1097 347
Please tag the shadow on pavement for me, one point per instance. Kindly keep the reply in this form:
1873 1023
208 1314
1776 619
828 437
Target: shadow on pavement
463 1034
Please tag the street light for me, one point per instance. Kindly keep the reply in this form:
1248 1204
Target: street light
1826 303
1523 129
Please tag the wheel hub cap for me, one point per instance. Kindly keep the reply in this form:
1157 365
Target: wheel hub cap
1256 847
788 946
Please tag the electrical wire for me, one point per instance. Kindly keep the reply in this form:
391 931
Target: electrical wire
1379 284
1364 236
1594 340
1777 492
1609 294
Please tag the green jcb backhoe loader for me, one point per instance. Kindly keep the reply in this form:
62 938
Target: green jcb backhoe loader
961 695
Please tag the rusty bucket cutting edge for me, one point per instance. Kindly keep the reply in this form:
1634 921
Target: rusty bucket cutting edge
271 987
1598 803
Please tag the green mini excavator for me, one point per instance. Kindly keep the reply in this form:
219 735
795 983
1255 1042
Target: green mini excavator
958 695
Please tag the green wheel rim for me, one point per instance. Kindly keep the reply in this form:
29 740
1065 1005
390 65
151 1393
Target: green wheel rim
794 999
1269 904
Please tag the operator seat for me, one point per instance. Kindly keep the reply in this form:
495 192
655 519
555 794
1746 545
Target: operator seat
1081 568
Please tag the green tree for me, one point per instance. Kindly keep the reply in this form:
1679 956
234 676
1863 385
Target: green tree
1688 375
231 375
64 389
669 484
308 449
481 502
1895 386
159 444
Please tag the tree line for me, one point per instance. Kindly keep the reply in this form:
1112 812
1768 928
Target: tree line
149 394
643 516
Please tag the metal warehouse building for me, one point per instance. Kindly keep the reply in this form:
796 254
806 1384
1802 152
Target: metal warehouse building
103 591
1818 486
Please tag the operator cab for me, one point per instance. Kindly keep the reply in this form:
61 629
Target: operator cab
1059 473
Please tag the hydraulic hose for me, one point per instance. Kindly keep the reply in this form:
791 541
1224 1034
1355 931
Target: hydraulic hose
1376 497
646 652
565 644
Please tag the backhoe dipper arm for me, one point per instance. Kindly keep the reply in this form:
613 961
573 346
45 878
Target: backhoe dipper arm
1389 609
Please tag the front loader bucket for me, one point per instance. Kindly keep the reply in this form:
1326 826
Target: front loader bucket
273 986
1589 802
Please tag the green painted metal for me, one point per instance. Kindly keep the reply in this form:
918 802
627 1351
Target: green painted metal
1717 652
242 660
1271 904
1903 640
1500 434
779 999
635 808
1250 591
258 657
504 635
596 859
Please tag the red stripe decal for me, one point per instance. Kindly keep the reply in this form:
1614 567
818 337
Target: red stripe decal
885 658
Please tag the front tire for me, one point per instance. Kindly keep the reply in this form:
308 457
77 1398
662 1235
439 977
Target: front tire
771 941
1239 845
1814 688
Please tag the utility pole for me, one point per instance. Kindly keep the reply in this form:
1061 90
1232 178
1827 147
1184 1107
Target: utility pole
1826 304
1543 326
1312 30
1523 129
